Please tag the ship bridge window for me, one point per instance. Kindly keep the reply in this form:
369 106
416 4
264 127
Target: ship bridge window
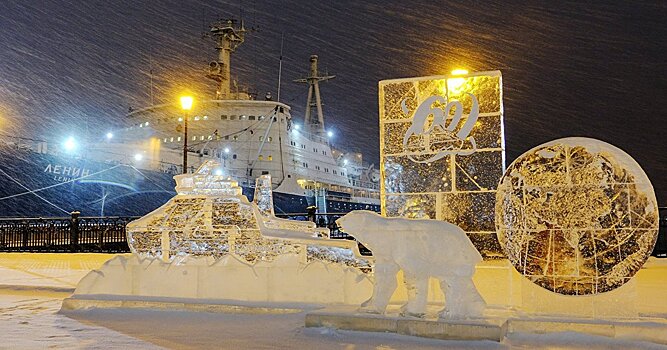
261 138
243 117
165 139
210 137
261 117
205 117
232 117
223 117
251 117
194 138
196 118
270 158
171 140
201 138
260 157
178 139
269 139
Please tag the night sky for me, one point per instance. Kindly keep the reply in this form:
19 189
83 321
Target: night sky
569 69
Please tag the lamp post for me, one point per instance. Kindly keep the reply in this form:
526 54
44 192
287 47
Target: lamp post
186 105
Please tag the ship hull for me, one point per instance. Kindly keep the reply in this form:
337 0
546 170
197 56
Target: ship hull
44 185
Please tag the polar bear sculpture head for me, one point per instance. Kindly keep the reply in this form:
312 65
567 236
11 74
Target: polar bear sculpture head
360 224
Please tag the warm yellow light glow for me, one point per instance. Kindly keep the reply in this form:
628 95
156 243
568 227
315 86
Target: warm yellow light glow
186 102
459 72
453 84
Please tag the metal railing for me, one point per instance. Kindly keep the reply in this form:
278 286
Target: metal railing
73 234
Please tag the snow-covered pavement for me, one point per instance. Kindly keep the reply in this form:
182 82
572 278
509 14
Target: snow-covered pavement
32 288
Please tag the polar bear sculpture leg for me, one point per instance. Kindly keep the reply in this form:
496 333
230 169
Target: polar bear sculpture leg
385 284
417 286
462 300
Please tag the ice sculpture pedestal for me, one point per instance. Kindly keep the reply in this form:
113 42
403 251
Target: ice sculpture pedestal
619 303
284 281
349 319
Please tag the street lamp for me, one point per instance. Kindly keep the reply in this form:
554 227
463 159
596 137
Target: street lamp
186 105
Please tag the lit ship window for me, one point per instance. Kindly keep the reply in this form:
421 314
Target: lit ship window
269 139
260 157
205 117
261 138
179 139
243 117
270 158
172 140
201 138
210 137
165 139
196 118
261 117
236 137
194 138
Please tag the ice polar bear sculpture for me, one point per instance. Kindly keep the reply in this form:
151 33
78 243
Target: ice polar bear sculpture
423 249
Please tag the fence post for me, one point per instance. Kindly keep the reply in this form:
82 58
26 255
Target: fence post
74 231
310 211
24 233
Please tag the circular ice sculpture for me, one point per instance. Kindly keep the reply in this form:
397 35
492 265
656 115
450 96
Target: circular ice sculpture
576 216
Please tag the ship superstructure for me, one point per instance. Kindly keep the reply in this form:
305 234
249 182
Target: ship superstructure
249 138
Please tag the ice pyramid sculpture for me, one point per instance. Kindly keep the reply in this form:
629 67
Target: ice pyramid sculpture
210 217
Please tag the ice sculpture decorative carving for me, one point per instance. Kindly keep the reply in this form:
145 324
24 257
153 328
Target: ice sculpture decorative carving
442 151
422 249
576 216
210 217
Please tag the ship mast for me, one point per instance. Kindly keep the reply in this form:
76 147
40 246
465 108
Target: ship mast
314 126
227 38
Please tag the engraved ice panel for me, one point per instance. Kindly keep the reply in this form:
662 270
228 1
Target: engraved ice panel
576 216
442 151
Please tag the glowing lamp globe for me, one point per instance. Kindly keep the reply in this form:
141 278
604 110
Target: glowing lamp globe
186 102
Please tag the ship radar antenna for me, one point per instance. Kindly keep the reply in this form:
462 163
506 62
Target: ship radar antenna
227 37
314 125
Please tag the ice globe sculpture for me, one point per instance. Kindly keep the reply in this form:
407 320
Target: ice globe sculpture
576 216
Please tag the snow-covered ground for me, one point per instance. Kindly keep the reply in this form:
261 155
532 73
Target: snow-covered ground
29 319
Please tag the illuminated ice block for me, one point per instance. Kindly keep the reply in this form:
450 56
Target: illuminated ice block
442 151
576 216
210 217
